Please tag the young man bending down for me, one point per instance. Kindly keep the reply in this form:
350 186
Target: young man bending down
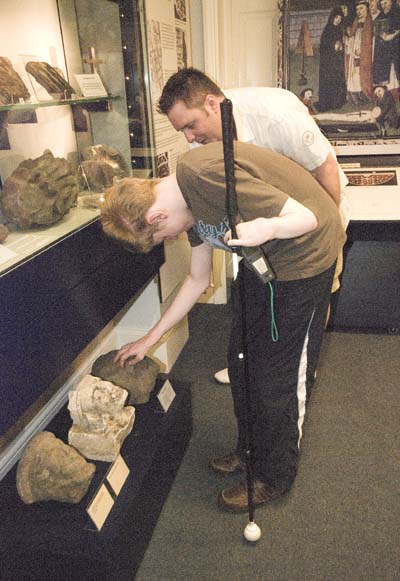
283 208
266 116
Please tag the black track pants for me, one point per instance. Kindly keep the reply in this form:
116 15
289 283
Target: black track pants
278 371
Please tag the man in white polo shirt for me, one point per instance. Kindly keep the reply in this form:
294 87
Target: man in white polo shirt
266 116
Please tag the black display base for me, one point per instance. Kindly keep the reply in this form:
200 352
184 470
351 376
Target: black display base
51 540
367 301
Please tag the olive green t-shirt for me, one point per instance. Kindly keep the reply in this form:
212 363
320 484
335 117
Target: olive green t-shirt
264 181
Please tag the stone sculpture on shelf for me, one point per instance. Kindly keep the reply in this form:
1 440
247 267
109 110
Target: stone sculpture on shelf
138 379
52 470
100 165
51 79
96 176
12 87
40 191
101 421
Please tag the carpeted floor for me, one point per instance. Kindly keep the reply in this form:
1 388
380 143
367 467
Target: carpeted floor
341 521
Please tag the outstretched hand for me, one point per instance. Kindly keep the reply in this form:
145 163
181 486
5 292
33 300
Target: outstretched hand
132 353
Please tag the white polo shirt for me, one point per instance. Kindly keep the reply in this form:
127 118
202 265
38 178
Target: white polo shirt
276 118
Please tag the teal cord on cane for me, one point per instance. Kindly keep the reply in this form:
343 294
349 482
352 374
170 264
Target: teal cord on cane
274 328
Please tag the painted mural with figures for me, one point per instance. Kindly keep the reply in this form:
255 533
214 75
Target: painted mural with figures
343 62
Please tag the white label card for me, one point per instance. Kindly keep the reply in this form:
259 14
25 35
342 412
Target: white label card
91 85
166 395
100 507
117 475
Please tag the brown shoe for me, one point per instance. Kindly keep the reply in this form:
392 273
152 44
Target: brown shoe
228 464
235 498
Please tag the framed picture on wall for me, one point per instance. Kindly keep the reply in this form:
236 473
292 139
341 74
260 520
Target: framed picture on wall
342 59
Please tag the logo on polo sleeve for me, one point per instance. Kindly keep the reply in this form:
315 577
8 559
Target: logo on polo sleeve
308 138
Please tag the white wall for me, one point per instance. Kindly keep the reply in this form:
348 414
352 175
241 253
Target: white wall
196 21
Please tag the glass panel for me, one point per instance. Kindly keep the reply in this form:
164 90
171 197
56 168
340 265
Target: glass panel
33 72
92 38
112 43
134 43
74 40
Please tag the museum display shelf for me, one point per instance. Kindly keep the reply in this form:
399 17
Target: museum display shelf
96 103
53 540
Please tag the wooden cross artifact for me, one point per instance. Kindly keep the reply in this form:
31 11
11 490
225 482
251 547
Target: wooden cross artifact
93 61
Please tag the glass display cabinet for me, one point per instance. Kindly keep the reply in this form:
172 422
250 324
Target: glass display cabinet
73 106
75 115
72 85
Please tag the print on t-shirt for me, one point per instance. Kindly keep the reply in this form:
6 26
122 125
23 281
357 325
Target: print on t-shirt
212 234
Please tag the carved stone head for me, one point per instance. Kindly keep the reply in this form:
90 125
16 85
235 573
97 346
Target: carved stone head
52 470
92 398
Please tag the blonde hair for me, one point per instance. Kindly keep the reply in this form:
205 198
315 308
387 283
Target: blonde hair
123 212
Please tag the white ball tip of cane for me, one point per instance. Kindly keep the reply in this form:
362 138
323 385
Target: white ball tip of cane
252 532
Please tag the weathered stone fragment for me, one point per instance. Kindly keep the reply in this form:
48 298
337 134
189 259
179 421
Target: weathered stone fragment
101 421
52 470
107 154
12 87
40 191
97 175
138 379
50 79
100 166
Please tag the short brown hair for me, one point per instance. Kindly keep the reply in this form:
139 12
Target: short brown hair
123 212
188 85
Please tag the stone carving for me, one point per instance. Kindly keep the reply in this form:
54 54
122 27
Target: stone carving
52 470
100 165
97 175
101 421
109 154
138 379
12 87
40 191
3 233
50 78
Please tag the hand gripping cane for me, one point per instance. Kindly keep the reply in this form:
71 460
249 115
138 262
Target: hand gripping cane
257 260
